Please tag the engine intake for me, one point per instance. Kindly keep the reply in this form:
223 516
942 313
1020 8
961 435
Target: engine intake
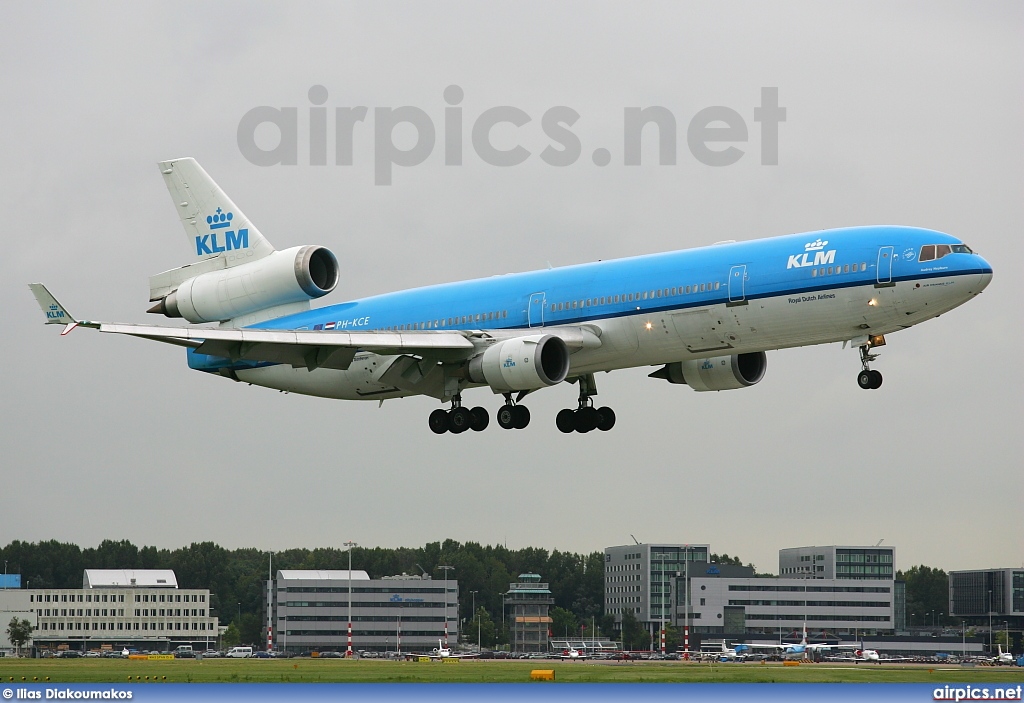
289 276
522 363
720 373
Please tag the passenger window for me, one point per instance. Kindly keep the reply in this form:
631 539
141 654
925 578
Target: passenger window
701 287
863 266
927 252
942 250
814 273
717 284
829 270
846 268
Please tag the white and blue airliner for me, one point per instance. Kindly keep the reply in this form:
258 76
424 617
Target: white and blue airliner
704 316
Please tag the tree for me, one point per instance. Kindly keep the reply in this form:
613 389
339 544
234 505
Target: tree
231 637
481 620
634 635
563 622
927 592
19 632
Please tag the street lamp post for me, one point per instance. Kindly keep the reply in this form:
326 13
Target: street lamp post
686 601
446 570
990 621
350 544
270 603
477 622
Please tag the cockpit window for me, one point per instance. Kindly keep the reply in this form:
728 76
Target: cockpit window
930 252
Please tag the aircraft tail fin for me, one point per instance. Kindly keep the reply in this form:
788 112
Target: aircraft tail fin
214 225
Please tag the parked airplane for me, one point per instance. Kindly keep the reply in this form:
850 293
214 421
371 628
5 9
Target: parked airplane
573 653
706 316
1003 657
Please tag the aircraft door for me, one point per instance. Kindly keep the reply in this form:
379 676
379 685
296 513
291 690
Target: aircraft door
884 268
737 282
535 312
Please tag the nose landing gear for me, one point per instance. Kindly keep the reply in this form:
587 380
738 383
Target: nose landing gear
458 419
867 378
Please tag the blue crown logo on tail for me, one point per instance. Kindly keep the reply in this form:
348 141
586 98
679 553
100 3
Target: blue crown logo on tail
233 240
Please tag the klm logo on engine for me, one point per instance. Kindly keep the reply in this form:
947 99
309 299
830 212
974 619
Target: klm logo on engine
814 255
209 244
54 313
509 363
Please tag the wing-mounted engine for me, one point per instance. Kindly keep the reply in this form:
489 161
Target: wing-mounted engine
720 373
290 276
522 363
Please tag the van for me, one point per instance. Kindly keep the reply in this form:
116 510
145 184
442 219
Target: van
240 652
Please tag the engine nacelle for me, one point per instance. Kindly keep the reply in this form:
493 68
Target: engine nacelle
522 363
720 373
289 276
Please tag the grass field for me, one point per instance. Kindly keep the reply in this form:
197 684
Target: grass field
469 671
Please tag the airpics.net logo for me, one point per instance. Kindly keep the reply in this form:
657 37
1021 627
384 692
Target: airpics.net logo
715 135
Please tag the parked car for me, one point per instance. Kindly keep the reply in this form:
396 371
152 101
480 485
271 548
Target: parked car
330 655
69 654
262 655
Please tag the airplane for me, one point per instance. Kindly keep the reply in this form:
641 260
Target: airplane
1003 657
443 652
738 652
573 653
705 316
802 649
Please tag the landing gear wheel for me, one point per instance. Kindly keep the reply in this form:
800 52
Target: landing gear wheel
479 419
864 379
506 417
564 420
520 416
607 420
876 379
438 421
459 420
586 419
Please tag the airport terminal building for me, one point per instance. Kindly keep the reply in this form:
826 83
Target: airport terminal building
115 608
309 611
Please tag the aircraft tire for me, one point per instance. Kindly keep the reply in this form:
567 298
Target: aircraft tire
438 421
864 379
876 379
459 420
607 419
564 421
479 419
506 417
586 419
520 416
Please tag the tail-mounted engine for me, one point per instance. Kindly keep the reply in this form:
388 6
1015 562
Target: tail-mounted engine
720 373
290 276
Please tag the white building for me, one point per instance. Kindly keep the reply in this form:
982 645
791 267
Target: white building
114 609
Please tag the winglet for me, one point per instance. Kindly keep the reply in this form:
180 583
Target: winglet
54 311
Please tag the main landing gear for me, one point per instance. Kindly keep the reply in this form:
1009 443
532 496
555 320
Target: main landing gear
459 419
585 417
512 416
867 378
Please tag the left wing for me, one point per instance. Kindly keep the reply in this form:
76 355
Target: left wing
299 348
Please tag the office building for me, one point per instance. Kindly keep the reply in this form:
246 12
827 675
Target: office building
309 611
115 608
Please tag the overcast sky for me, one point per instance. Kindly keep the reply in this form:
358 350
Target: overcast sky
905 113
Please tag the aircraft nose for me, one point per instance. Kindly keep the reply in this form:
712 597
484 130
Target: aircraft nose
986 275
